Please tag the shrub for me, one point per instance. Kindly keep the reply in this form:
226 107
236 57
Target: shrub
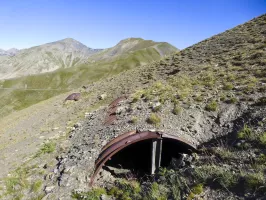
157 191
232 100
135 99
263 139
212 106
177 110
228 86
261 101
216 174
254 181
137 95
48 147
154 119
222 98
208 79
15 184
245 133
224 153
231 77
196 190
134 120
126 190
36 186
199 98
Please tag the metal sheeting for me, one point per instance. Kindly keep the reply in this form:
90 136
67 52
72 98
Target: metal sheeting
111 112
130 138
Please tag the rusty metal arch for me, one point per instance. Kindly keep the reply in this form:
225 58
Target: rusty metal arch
127 139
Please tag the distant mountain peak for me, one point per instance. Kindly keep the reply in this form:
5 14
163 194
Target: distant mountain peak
69 40
126 40
9 52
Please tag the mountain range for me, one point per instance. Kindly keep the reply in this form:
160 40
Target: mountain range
210 96
67 64
67 53
9 52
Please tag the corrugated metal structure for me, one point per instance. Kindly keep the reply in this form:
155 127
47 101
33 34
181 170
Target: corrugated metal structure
134 137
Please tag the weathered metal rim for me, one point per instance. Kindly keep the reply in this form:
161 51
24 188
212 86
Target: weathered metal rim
120 137
127 139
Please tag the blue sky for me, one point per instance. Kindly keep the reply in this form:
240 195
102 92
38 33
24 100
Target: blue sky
103 23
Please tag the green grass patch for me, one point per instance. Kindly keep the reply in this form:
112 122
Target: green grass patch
215 174
262 139
196 190
254 181
154 119
245 133
93 194
134 120
46 148
261 101
228 86
36 186
177 110
212 106
126 190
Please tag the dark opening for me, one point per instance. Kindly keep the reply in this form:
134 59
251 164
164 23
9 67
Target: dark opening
172 149
137 157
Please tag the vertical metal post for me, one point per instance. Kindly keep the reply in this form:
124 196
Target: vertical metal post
156 155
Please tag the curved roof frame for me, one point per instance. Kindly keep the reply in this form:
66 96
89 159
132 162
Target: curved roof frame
127 139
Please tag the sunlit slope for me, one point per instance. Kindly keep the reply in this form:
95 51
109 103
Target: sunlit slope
63 80
45 58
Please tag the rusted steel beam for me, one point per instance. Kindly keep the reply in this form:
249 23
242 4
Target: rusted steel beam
110 120
73 96
115 102
111 111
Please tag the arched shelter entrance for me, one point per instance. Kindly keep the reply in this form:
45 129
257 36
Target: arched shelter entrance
145 151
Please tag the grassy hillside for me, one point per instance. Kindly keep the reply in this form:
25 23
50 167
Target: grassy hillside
224 79
213 92
64 80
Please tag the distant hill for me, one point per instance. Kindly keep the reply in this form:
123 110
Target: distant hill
67 53
10 52
45 58
70 65
133 44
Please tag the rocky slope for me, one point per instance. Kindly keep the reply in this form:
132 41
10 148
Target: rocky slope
213 94
214 89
